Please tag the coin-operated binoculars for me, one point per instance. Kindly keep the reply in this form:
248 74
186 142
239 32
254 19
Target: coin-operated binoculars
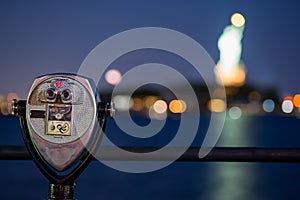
62 123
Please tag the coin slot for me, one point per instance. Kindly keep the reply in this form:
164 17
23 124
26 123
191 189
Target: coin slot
37 114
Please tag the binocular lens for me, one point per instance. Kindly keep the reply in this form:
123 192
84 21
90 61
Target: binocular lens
66 95
50 93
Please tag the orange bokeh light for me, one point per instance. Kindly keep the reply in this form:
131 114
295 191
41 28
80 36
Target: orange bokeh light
138 104
177 106
11 96
296 100
232 77
216 105
290 98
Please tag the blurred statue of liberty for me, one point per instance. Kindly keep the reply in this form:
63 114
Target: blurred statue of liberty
229 70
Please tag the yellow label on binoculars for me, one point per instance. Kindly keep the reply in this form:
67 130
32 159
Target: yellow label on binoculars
58 128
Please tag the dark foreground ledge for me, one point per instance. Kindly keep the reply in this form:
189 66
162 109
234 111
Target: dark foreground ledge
218 154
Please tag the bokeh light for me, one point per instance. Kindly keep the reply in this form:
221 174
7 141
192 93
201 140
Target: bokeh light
122 102
177 106
230 77
268 105
296 100
10 96
235 112
149 101
252 108
237 20
113 76
138 104
287 106
288 98
154 115
2 99
254 96
160 106
216 105
4 108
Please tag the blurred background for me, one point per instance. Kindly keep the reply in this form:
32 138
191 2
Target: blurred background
254 45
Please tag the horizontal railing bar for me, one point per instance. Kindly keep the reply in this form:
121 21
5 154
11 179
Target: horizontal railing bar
217 154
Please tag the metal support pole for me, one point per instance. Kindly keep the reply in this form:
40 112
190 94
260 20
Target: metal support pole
58 191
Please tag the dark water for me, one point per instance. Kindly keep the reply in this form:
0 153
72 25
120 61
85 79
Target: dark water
181 180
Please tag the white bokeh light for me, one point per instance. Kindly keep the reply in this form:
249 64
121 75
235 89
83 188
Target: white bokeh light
287 106
122 102
113 76
235 112
160 106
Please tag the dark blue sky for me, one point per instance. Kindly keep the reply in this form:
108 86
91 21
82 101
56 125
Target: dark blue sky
39 37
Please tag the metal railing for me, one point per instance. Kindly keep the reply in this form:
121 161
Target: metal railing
217 154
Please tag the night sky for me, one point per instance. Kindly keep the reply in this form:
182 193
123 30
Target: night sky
40 37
